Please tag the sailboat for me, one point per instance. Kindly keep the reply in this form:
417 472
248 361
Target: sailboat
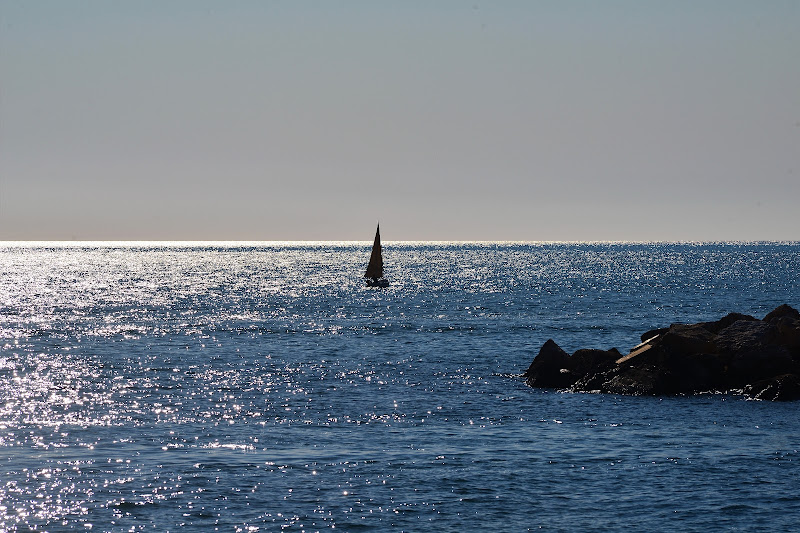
374 273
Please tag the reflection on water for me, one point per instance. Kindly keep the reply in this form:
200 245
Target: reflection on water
245 386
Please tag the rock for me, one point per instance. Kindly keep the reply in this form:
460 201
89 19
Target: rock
779 388
585 361
554 368
783 310
653 333
753 365
737 352
693 338
550 368
639 380
745 336
787 333
724 322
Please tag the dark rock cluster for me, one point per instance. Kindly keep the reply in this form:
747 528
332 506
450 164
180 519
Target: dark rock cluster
736 354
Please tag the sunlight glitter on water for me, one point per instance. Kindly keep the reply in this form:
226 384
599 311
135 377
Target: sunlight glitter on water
157 386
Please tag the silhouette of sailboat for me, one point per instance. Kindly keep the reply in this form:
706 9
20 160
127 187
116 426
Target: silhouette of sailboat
374 273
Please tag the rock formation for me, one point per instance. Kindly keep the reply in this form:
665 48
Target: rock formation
736 354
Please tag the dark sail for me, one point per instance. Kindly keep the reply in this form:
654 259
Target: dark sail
375 267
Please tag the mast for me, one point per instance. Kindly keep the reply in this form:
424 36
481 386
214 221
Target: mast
375 267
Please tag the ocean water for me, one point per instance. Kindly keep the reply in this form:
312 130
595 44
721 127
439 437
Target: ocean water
263 387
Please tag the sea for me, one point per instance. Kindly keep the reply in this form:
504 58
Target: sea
262 386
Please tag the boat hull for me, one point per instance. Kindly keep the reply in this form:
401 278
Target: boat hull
377 282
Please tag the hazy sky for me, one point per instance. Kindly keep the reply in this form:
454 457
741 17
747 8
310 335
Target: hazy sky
529 120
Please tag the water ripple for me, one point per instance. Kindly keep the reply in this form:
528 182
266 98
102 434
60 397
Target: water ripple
261 387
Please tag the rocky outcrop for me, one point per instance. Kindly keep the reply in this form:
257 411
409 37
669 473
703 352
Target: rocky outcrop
738 353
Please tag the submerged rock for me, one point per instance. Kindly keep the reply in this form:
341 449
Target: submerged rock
736 353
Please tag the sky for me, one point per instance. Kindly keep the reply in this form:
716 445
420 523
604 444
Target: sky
471 120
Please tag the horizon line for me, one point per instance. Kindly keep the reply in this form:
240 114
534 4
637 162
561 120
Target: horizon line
191 242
